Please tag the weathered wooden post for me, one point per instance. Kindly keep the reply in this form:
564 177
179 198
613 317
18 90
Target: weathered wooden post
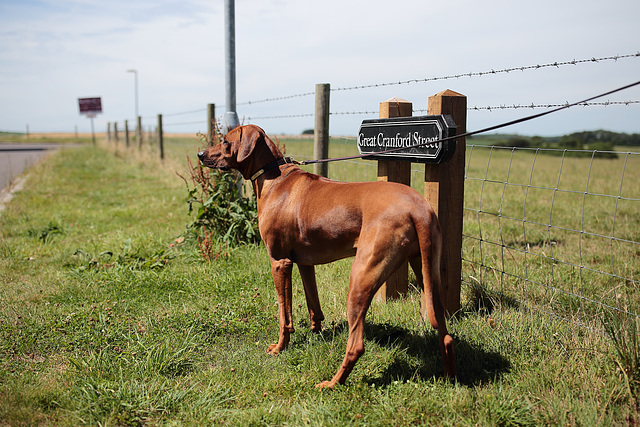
108 132
211 120
139 132
321 132
115 133
395 171
126 133
160 137
444 189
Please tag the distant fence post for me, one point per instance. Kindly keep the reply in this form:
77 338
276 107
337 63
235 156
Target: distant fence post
108 132
115 133
395 171
126 133
160 137
444 189
139 131
321 132
211 119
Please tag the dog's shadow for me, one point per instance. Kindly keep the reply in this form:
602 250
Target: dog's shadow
420 358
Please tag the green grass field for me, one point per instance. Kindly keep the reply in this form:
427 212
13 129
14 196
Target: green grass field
106 319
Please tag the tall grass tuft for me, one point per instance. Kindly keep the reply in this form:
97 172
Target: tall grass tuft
624 331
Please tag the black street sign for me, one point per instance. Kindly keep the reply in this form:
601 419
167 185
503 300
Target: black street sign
416 139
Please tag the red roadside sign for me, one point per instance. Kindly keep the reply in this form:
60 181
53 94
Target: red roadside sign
90 106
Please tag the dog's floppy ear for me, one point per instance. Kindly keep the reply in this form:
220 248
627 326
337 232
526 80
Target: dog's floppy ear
249 137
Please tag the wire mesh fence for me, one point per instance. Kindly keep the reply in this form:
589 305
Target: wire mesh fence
555 229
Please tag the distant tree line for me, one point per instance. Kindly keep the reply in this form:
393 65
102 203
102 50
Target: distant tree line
601 140
604 136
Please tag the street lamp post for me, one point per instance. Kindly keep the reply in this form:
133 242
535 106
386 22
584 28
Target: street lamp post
135 75
138 119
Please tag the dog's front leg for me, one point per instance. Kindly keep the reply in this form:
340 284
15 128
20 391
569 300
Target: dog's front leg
308 274
281 271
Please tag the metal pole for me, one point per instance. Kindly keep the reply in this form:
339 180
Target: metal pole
231 117
93 132
135 75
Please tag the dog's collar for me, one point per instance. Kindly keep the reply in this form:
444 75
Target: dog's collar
272 165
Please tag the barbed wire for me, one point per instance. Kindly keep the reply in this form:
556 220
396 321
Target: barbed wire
475 108
423 80
286 116
199 122
532 106
456 76
278 98
502 71
184 113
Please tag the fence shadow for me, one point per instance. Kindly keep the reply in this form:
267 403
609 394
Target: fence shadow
423 361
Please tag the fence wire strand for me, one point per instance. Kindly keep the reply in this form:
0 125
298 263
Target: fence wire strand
475 108
556 64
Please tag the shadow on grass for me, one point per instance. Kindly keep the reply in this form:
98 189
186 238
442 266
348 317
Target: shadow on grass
419 357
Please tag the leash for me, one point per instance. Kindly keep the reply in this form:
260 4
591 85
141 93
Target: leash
488 129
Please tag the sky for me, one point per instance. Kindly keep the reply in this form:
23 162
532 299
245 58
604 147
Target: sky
53 52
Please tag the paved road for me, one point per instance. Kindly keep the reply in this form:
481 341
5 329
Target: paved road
15 158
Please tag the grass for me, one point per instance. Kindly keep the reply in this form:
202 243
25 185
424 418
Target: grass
106 319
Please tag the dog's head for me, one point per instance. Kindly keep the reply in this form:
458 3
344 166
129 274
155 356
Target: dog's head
245 149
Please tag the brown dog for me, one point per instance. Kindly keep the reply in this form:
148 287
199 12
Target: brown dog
307 220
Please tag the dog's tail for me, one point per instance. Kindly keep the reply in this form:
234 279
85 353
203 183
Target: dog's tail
432 302
430 241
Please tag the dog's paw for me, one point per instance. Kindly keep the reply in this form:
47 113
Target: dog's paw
326 384
273 350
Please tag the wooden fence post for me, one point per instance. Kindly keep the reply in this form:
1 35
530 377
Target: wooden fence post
108 132
126 133
444 189
160 137
139 132
395 171
321 133
211 117
115 133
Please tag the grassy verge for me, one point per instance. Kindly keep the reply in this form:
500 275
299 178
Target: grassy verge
104 319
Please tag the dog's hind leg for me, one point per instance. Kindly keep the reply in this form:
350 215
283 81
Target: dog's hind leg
308 274
370 269
281 271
